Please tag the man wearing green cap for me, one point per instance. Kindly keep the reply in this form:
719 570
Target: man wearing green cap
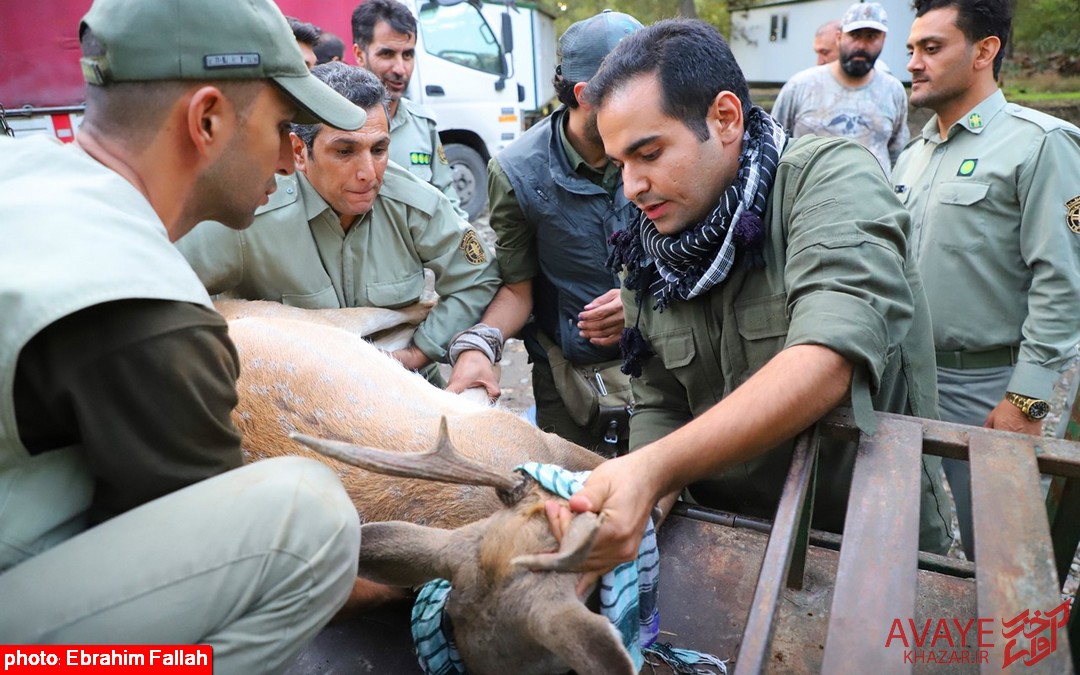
555 201
125 513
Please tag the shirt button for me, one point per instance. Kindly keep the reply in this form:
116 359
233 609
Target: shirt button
288 191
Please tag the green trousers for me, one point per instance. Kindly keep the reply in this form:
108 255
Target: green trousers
254 562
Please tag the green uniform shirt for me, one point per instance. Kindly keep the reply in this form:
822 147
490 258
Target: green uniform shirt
995 209
836 274
297 253
415 145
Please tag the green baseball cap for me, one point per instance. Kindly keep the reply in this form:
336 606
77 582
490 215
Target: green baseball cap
147 40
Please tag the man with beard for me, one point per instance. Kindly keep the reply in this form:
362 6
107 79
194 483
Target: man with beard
384 42
849 97
555 201
125 513
994 194
768 282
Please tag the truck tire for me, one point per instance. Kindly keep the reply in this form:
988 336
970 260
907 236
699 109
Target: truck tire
470 177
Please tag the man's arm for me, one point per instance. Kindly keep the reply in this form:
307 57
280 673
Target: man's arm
783 110
791 392
516 249
900 133
215 252
508 312
1051 249
146 387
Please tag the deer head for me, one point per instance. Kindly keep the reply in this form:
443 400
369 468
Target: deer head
513 606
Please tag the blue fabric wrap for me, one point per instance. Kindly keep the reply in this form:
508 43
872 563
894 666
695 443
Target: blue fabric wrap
628 594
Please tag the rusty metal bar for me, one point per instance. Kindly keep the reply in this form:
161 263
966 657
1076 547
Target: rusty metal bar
1063 510
1014 559
797 569
758 633
1056 457
876 578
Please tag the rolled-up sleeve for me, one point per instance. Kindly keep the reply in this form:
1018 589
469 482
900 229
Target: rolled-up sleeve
845 271
466 276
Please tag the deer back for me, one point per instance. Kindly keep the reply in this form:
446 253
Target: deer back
318 379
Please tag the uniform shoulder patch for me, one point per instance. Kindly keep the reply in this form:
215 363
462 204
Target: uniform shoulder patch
1072 214
474 250
442 155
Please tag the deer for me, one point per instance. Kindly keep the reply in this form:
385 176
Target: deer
432 476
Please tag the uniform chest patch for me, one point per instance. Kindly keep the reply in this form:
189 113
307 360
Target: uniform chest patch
967 167
419 159
1072 214
474 250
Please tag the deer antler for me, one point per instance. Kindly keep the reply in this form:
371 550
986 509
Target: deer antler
573 551
443 463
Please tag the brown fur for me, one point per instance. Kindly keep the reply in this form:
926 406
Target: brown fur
324 381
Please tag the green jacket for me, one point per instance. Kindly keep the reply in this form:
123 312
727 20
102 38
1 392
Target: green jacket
296 253
837 273
995 208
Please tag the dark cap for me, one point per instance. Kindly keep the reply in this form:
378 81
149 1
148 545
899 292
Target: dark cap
147 40
585 44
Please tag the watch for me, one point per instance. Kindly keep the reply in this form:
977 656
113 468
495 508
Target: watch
1034 408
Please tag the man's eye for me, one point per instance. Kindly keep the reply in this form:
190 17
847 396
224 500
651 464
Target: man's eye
648 157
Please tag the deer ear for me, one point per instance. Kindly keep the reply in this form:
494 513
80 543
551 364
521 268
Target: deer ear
404 554
585 641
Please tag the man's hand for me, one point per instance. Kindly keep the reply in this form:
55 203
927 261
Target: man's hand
1007 417
411 357
474 369
621 489
601 321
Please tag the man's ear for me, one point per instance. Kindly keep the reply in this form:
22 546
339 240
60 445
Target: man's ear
211 121
725 117
358 54
986 50
579 94
299 149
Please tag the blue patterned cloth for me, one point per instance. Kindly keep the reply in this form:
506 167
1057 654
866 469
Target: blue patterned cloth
628 594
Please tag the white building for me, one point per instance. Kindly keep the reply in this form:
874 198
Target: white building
775 40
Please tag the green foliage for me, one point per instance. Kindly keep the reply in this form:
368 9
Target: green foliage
646 11
1047 26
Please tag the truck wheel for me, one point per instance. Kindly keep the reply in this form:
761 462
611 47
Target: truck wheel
470 177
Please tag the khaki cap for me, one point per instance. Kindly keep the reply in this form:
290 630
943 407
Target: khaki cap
147 40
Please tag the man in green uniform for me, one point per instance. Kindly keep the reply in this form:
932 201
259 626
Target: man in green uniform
384 42
125 513
555 201
994 194
767 283
352 229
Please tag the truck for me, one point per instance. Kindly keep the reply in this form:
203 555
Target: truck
467 72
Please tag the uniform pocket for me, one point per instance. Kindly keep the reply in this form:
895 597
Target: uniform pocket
324 299
397 293
763 329
675 347
953 229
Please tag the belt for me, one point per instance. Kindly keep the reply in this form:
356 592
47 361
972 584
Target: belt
991 358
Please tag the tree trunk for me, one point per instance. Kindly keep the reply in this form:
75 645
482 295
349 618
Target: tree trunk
687 9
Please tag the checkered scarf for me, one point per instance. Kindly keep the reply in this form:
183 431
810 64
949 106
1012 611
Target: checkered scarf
701 256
